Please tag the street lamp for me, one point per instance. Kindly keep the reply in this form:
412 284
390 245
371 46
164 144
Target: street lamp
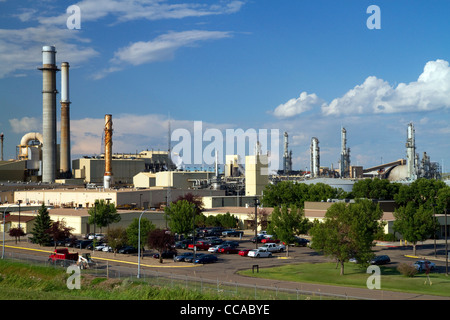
193 232
446 244
4 218
139 244
256 221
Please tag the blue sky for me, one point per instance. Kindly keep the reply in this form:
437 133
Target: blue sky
307 67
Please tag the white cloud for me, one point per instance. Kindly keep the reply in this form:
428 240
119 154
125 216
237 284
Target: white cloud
130 10
293 107
159 49
25 125
430 92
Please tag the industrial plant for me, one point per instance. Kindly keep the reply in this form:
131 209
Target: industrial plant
150 178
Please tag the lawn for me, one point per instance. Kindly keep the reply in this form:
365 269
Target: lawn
354 276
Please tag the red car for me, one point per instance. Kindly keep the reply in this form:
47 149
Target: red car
269 240
228 250
244 253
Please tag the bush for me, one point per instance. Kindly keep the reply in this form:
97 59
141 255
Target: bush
407 270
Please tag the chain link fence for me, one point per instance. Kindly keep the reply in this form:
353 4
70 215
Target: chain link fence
223 289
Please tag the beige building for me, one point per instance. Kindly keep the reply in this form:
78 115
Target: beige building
125 197
144 180
181 179
256 174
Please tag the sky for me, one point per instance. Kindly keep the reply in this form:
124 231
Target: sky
305 67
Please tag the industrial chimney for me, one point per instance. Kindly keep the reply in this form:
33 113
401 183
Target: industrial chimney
49 92
65 167
315 157
107 180
411 162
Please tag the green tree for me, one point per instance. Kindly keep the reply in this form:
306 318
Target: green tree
117 238
414 223
180 217
348 231
375 189
42 223
103 214
133 233
227 220
285 223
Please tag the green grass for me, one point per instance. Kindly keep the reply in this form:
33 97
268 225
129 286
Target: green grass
354 276
19 281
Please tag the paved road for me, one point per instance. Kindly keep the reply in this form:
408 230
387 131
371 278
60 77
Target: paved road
225 271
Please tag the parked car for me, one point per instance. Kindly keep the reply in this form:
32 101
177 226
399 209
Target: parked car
259 253
257 238
191 258
423 265
215 249
80 244
228 250
182 244
107 249
300 242
100 247
244 252
269 240
128 250
231 243
232 233
379 260
98 236
165 255
183 256
207 258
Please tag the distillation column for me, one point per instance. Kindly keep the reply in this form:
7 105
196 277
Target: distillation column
65 167
49 92
315 157
411 167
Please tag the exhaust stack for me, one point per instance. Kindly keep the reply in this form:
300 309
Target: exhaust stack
49 92
107 179
65 167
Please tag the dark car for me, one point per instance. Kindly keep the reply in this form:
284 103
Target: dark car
191 258
183 256
165 255
232 233
80 244
183 244
231 243
128 250
257 239
379 260
207 258
300 242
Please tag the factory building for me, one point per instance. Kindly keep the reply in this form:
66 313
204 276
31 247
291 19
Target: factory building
256 173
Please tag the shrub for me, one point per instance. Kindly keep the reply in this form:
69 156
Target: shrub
407 270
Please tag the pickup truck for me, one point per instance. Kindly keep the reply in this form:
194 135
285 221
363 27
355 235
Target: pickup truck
273 247
269 240
200 245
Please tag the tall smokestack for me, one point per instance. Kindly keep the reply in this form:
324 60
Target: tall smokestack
49 92
315 157
1 139
411 152
65 167
107 180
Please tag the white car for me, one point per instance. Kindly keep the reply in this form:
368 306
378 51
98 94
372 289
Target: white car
259 253
98 236
215 249
100 247
107 249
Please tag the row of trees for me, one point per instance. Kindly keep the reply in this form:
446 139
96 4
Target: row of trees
349 231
